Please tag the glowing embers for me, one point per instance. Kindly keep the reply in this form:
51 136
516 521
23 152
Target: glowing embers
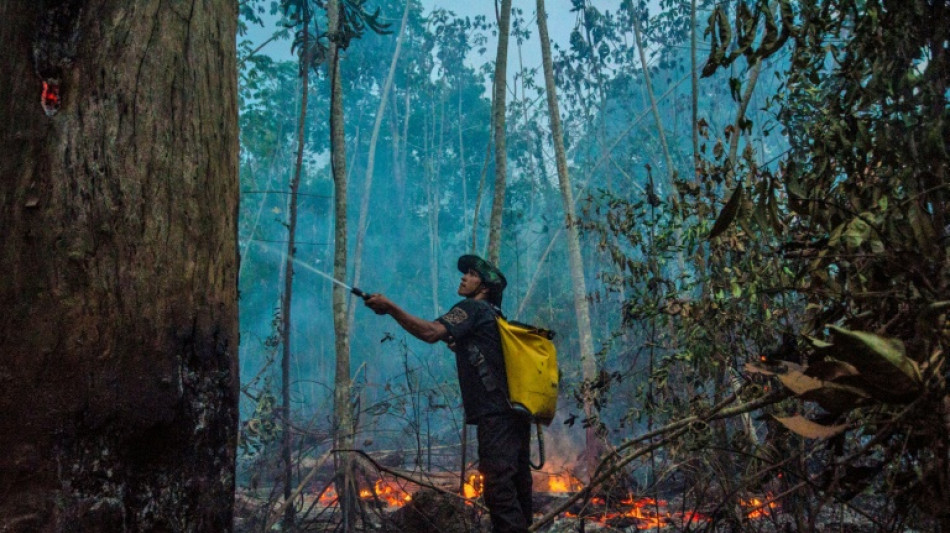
648 513
757 508
639 513
50 99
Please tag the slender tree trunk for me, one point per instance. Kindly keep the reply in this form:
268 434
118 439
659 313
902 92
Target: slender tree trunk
498 120
462 170
342 415
478 196
750 83
118 330
287 294
670 168
435 157
404 153
578 283
371 157
694 83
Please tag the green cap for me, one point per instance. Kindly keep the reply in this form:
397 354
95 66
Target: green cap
491 276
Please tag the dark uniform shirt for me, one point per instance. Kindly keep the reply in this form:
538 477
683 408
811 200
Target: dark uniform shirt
481 366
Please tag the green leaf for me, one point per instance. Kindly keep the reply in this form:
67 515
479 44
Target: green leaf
728 213
921 225
856 233
876 357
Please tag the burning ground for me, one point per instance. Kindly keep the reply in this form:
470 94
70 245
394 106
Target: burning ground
394 501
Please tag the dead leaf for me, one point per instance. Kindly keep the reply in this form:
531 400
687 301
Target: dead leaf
799 383
830 370
808 429
728 213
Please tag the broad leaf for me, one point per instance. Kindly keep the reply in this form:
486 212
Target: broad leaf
830 370
808 429
798 382
835 398
866 350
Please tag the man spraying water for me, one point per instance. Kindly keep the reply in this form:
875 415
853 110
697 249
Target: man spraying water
470 331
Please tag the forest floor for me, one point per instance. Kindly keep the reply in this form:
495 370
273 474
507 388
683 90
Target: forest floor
429 511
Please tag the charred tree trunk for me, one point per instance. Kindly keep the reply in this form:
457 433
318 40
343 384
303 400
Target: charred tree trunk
118 333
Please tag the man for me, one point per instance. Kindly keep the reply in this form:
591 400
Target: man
503 434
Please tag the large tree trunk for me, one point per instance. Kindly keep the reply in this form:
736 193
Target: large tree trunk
118 330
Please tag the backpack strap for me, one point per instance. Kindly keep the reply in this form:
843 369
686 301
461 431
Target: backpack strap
477 359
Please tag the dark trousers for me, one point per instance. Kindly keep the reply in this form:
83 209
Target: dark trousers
504 447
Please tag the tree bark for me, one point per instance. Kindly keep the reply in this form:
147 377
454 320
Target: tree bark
119 332
670 168
694 86
578 283
343 418
498 121
286 296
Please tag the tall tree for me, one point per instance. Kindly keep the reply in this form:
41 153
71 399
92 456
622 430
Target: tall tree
342 383
498 122
118 337
302 13
578 283
371 156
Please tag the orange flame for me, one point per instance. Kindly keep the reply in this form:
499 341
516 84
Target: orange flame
328 498
473 487
387 491
759 508
563 482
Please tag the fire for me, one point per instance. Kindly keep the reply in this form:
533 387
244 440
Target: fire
387 491
648 513
473 487
563 482
758 508
328 498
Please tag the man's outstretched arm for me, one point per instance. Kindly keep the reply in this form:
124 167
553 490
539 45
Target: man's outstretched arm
426 330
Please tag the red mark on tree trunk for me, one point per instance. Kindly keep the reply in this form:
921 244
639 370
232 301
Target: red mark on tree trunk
50 99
